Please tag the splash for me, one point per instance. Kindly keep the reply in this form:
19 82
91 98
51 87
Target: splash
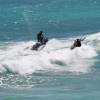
56 56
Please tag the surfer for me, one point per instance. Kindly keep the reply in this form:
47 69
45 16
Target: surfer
77 43
41 40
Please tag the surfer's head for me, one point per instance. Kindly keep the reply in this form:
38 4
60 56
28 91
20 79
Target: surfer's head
77 39
40 32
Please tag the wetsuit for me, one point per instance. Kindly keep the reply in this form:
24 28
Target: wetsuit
77 43
41 38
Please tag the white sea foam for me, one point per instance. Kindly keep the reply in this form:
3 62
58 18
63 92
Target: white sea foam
56 56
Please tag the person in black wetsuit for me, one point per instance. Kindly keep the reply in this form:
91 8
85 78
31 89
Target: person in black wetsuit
41 38
77 43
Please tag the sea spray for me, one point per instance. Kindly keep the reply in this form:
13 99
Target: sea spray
56 56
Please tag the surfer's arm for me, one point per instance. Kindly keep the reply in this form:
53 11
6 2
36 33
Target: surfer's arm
82 39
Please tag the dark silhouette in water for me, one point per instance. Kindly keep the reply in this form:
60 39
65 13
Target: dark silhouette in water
77 43
41 40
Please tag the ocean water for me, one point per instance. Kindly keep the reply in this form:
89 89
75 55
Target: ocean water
54 72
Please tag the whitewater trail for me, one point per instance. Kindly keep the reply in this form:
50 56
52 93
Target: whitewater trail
55 56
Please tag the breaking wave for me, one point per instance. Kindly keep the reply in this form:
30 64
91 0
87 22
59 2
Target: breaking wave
17 57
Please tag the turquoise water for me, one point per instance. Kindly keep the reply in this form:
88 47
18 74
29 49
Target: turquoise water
55 72
56 18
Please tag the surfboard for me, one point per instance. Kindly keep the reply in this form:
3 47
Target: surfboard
36 46
39 46
72 47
